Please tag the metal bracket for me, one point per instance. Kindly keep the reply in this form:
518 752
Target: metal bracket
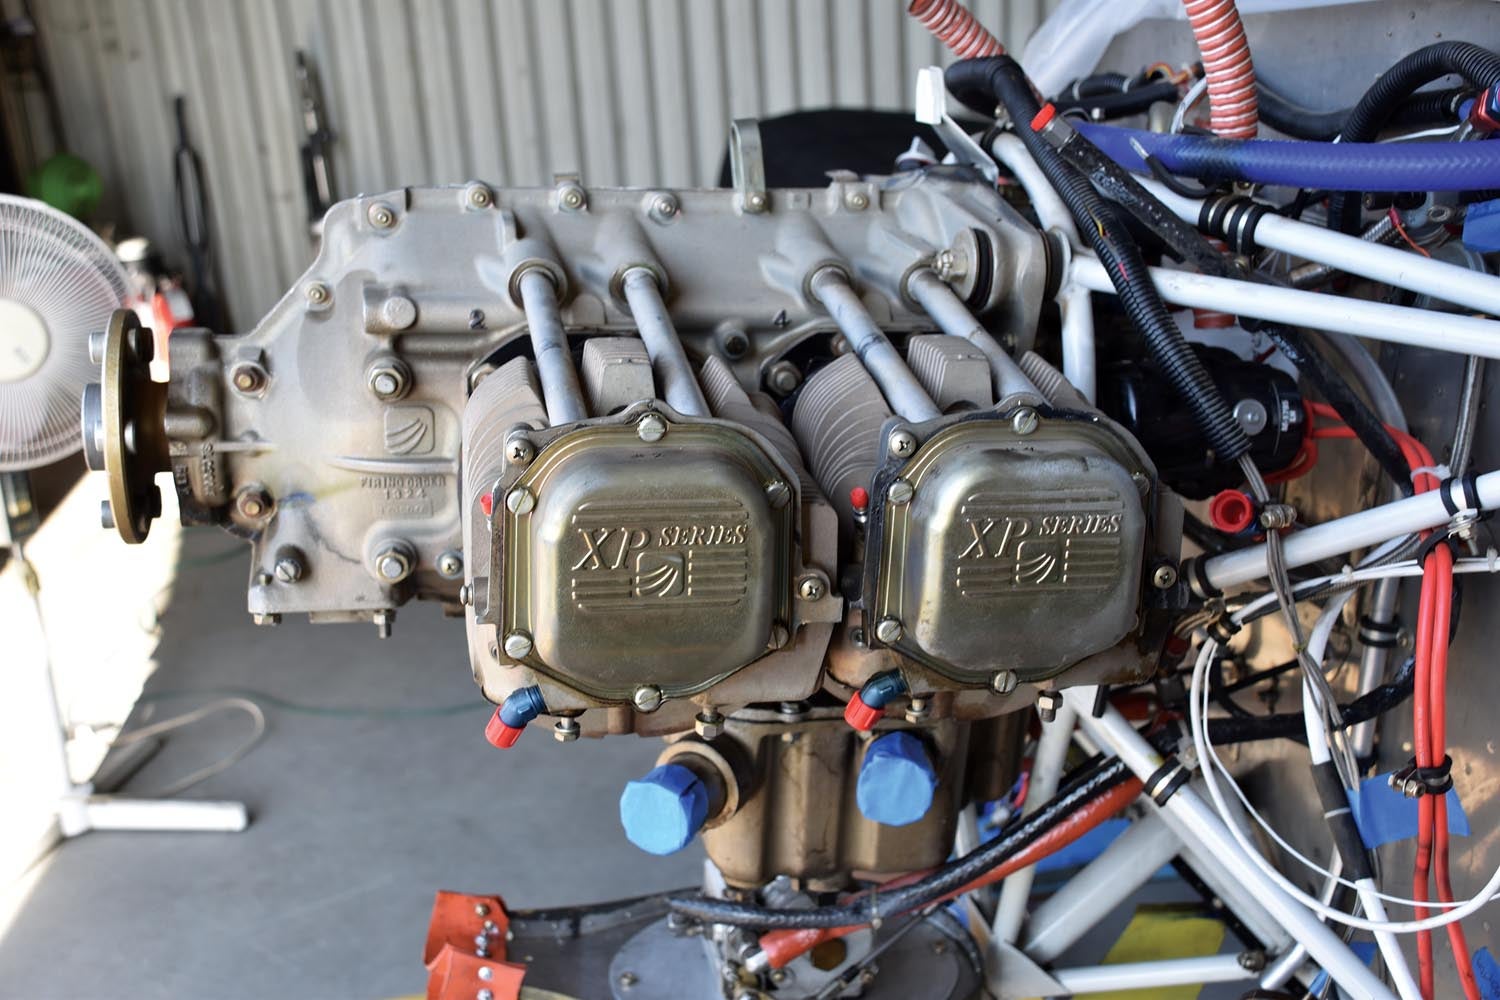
932 109
747 166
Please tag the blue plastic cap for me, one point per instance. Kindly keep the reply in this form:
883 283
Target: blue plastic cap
896 781
663 811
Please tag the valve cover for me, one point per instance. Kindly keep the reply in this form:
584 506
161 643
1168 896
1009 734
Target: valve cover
631 562
1015 551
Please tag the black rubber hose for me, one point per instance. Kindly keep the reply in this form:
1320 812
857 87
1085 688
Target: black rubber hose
1292 725
1120 104
1428 107
1478 66
1002 80
1090 781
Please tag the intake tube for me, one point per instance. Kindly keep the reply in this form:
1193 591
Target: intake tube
830 286
549 344
674 374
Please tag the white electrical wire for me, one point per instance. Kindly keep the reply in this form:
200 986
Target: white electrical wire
257 716
1481 564
1193 96
1198 726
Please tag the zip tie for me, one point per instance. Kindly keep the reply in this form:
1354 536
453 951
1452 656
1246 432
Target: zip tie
1438 472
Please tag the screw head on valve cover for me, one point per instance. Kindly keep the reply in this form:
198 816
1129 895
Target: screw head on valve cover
1024 421
900 492
520 501
651 428
889 630
1164 576
517 645
647 697
901 444
778 494
1004 682
519 450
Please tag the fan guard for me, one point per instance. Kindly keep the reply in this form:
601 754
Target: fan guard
58 283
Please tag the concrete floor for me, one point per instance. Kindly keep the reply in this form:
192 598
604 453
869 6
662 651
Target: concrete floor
356 820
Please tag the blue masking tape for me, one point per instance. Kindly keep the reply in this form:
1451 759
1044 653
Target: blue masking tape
1487 971
1385 815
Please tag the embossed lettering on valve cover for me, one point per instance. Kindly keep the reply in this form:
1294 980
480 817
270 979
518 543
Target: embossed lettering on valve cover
685 552
1013 544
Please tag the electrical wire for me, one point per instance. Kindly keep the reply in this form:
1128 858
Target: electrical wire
250 708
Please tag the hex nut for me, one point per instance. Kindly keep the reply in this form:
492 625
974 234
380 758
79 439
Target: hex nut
1047 704
393 562
248 378
708 725
783 377
566 730
389 378
253 502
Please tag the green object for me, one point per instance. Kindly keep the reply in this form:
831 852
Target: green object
68 184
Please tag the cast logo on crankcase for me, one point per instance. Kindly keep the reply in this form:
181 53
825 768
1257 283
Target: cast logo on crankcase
409 430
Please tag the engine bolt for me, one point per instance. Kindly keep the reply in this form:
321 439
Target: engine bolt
889 630
651 428
918 709
265 620
466 595
901 444
783 377
1047 704
248 378
708 725
479 196
517 645
1164 576
289 567
519 450
381 216
450 564
519 501
756 201
253 502
398 312
811 588
566 730
900 492
318 293
393 563
664 207
647 697
1024 421
1142 482
389 378
857 201
778 494
1004 682
571 197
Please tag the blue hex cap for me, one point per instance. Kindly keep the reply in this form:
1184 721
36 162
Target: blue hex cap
662 812
896 780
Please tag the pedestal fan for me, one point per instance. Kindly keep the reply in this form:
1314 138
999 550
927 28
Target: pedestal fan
58 284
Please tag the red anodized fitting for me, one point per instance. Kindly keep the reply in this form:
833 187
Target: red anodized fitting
1231 511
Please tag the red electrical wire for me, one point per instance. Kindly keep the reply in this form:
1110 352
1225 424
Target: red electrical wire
956 28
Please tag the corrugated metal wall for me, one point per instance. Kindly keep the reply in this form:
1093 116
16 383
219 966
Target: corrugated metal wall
631 92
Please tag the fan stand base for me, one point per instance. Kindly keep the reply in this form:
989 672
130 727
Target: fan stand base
82 810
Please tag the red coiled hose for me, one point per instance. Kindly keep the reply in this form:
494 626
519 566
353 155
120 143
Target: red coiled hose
956 28
1226 62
